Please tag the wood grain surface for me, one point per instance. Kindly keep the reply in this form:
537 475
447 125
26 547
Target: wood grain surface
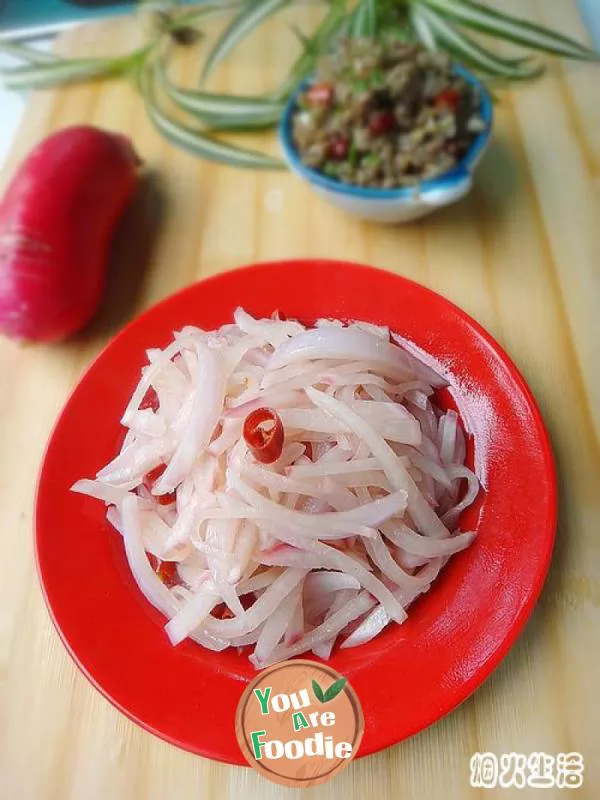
521 254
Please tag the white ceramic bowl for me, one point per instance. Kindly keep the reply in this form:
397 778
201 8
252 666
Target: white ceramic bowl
393 205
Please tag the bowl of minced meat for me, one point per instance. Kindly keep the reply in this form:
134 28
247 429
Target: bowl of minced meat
387 131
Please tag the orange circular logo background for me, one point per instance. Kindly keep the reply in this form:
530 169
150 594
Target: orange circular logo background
299 723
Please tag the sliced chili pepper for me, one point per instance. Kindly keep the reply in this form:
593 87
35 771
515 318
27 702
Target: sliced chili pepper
154 475
166 570
224 612
149 481
263 433
448 98
381 122
150 400
154 561
308 450
168 574
320 94
165 499
338 147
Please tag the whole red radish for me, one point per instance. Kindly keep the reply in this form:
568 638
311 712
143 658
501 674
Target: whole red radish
57 219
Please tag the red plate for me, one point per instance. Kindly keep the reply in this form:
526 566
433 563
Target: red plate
408 677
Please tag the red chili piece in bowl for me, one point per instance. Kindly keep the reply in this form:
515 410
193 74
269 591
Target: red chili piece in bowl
338 147
320 94
449 98
381 122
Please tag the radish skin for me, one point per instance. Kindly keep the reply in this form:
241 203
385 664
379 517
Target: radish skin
57 219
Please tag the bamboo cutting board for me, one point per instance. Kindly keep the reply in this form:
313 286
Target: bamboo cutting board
521 254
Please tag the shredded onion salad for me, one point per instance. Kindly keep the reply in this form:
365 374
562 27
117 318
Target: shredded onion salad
286 488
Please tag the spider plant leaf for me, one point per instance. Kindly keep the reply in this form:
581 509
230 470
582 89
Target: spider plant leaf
196 141
221 110
364 23
476 55
55 73
223 123
251 14
514 29
330 26
304 40
28 54
202 14
422 28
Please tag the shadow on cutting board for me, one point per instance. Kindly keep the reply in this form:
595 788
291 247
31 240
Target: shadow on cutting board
130 257
499 177
495 182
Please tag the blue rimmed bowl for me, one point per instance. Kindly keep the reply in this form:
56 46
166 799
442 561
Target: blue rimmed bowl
393 205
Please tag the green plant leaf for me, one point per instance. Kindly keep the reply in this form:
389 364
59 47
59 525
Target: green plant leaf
422 28
28 54
330 26
318 692
225 123
335 688
156 5
41 76
477 56
202 14
364 23
304 40
251 14
59 71
514 29
221 111
196 141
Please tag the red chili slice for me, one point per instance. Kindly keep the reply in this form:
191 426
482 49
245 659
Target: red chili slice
168 574
320 94
338 147
223 612
381 122
166 570
150 400
449 98
263 433
154 475
165 499
149 481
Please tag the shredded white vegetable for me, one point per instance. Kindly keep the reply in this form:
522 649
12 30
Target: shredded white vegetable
352 519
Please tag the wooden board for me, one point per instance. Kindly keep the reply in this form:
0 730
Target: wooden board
521 254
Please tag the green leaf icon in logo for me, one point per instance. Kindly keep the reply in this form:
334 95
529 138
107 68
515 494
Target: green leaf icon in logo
331 693
318 692
334 689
